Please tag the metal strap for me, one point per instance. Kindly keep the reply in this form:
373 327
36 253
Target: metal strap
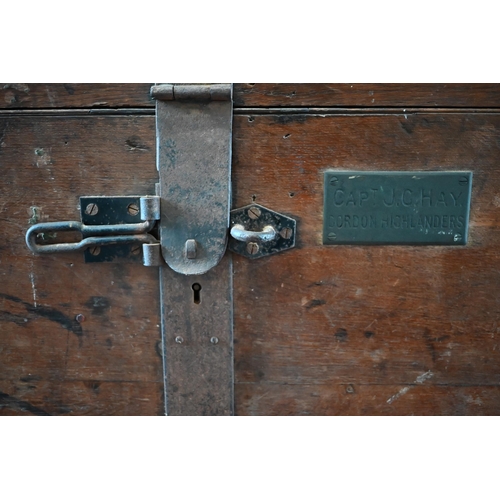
193 137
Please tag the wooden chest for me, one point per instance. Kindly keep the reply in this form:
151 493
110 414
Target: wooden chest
319 329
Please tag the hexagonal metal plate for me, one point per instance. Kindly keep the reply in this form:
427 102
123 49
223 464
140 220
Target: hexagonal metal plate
254 218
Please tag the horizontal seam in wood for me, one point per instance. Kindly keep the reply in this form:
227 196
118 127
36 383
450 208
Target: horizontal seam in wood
392 384
361 110
78 112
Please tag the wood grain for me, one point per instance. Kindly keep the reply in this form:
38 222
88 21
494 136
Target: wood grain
109 363
366 94
318 330
86 95
74 95
329 315
351 399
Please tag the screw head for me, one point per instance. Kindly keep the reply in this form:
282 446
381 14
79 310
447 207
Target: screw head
179 339
95 250
457 237
135 250
252 248
463 181
133 209
334 180
80 318
91 209
349 389
214 340
332 236
286 233
254 213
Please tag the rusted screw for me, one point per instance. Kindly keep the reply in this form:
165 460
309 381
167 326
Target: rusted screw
286 233
135 250
91 209
463 181
179 340
334 180
252 248
133 209
214 340
80 318
349 389
254 213
95 250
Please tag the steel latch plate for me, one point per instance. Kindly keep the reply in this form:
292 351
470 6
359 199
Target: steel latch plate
194 125
260 220
108 210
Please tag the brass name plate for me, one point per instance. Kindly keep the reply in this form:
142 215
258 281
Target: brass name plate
396 208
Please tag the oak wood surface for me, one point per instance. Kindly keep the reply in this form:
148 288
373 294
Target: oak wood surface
49 361
367 95
315 317
75 95
318 329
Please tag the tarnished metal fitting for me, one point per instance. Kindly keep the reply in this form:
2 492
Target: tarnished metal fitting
257 231
151 255
194 92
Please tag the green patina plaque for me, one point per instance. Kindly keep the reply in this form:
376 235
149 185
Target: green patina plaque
396 208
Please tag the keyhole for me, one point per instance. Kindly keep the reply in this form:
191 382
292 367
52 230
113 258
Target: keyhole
196 293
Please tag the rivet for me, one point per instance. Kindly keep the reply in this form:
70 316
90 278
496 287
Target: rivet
254 213
190 249
91 209
252 248
133 209
179 340
214 340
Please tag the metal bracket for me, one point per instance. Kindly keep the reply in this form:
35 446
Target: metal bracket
113 228
257 231
193 138
109 210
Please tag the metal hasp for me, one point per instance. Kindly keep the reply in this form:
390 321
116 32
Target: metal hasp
113 228
193 126
257 232
396 208
193 141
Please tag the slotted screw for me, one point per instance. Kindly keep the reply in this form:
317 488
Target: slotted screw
252 248
94 250
133 209
91 209
286 233
254 213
